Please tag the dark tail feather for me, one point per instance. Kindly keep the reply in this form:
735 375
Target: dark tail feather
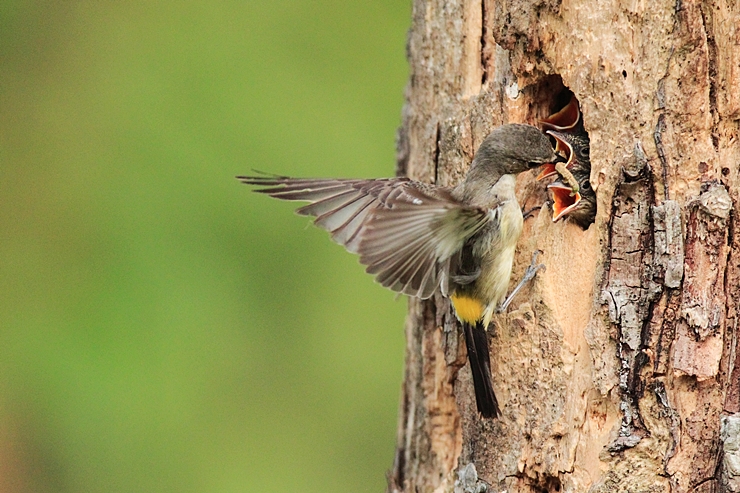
476 341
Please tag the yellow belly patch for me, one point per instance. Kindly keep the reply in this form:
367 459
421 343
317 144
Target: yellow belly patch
469 310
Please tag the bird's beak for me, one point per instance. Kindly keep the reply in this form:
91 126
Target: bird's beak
564 153
565 119
563 199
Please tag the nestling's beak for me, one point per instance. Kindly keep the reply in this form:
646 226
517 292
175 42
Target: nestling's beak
565 119
562 149
547 170
564 201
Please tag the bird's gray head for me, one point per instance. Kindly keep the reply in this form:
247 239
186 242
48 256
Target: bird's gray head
513 148
508 150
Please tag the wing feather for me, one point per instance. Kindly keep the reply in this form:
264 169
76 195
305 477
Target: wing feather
408 245
336 218
404 231
326 206
348 233
340 206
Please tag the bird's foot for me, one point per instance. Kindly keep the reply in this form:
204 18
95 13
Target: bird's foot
528 276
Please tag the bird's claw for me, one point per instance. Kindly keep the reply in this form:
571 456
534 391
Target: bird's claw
533 267
529 274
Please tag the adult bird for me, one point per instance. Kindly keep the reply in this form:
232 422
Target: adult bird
418 238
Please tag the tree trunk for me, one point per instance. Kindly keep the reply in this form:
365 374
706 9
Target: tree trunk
618 368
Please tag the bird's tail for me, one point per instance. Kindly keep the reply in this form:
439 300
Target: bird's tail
476 341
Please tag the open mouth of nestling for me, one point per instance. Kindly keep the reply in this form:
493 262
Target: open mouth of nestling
563 199
564 120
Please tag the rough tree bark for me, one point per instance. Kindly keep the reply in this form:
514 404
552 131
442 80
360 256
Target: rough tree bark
618 369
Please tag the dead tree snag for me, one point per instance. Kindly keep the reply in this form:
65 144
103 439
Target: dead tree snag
618 369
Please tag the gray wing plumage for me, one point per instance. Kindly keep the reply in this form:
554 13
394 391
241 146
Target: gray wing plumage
408 245
339 206
404 231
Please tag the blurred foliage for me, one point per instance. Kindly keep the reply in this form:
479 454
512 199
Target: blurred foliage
161 327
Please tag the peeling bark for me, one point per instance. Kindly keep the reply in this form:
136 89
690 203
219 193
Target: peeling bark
618 369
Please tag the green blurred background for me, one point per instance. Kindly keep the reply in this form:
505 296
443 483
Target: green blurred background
162 328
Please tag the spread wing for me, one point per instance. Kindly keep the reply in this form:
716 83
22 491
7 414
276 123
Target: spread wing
404 231
409 244
339 206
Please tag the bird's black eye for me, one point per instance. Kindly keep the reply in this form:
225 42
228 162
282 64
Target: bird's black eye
586 185
584 152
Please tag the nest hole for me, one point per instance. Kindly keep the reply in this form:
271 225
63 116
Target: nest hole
557 111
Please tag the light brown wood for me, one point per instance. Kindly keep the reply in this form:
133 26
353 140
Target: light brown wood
618 369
